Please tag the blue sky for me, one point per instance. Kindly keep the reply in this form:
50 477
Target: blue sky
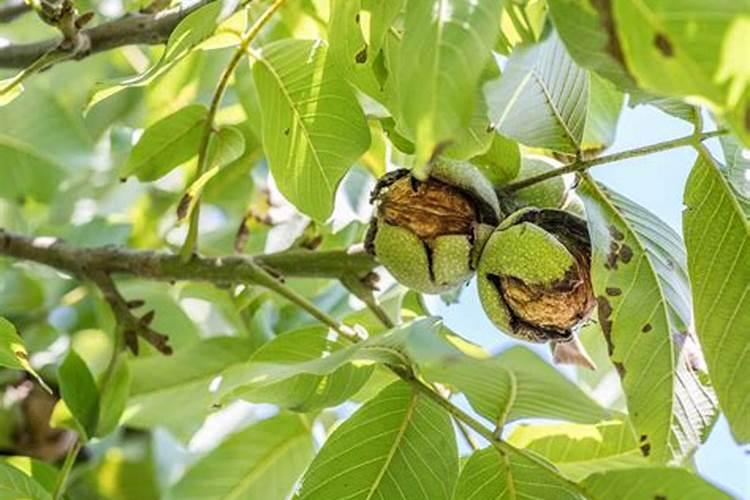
656 182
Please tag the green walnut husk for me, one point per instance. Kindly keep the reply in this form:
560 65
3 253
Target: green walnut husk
534 277
551 193
429 234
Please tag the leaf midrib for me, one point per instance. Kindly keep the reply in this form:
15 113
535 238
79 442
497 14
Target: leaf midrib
396 442
262 465
297 117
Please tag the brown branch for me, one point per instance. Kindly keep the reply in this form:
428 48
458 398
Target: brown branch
163 266
133 29
12 9
132 326
99 264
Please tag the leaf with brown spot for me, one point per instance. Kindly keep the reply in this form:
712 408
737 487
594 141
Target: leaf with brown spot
616 233
665 398
626 253
361 56
663 44
13 352
600 50
703 63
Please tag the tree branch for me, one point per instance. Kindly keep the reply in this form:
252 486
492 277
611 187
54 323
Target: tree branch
98 264
161 266
133 29
13 9
582 165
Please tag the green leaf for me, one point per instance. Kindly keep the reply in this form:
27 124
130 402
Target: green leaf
492 474
398 445
42 473
541 99
79 392
15 484
27 174
501 162
651 483
244 85
603 112
717 235
262 461
695 50
477 136
322 355
300 390
114 396
669 105
521 23
515 384
587 29
382 14
226 146
313 127
350 52
643 295
187 380
512 385
166 144
580 450
186 36
13 352
59 134
437 87
737 170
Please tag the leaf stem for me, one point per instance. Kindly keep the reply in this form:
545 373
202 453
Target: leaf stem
49 58
191 240
467 435
583 165
62 477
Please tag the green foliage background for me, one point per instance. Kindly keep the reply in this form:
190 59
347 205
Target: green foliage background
259 129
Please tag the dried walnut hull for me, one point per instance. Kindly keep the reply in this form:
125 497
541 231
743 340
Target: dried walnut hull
425 232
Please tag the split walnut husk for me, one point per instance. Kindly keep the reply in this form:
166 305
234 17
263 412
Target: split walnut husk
429 234
534 279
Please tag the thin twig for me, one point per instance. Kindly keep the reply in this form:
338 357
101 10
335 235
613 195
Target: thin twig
191 240
362 287
582 165
45 61
131 326
62 476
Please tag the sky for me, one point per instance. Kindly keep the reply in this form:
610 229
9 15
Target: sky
656 182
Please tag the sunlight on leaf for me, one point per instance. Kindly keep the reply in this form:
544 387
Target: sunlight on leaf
717 234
